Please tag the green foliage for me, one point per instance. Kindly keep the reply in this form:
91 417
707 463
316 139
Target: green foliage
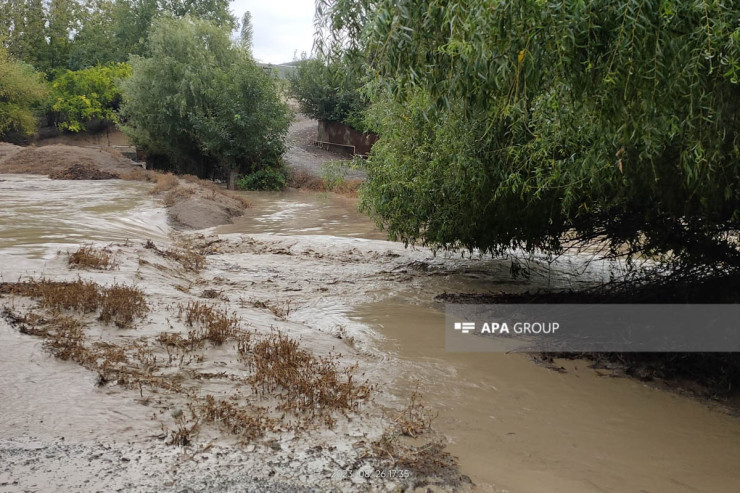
22 89
56 35
512 124
22 30
202 102
269 178
329 91
96 42
78 97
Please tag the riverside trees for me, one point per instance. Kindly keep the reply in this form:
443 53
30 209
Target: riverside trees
512 124
21 92
201 104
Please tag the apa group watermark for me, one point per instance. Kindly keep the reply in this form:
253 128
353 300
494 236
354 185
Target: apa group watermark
592 328
501 328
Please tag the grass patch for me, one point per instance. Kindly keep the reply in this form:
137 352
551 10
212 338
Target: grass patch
177 194
164 182
89 257
245 423
119 303
306 383
211 323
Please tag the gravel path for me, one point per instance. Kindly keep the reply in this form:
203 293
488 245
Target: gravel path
302 155
40 466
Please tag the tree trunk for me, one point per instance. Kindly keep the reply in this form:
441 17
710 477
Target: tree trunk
233 173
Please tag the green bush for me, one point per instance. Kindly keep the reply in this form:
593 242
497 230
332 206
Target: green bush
80 96
22 89
263 179
329 91
515 123
202 103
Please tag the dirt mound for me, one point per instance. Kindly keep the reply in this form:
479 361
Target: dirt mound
81 172
200 212
191 203
55 158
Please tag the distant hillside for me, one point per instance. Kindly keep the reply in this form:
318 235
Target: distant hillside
283 69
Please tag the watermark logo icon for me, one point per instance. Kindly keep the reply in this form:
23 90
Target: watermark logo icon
465 327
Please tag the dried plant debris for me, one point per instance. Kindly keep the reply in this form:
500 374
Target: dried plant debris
306 383
89 257
191 259
247 423
120 304
212 323
416 418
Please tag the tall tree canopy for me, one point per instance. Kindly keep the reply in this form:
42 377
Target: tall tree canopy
512 123
77 34
21 91
202 103
329 89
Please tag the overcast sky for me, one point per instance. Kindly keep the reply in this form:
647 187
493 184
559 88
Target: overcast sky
280 27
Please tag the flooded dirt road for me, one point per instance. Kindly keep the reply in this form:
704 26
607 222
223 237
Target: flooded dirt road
309 265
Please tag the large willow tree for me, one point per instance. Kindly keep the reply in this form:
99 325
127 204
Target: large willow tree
514 123
200 104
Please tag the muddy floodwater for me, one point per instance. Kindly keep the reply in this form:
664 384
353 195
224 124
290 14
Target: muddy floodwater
514 425
523 427
298 212
39 216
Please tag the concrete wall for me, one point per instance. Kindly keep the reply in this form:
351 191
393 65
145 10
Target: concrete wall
344 138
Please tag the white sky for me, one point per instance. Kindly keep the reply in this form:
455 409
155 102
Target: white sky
280 27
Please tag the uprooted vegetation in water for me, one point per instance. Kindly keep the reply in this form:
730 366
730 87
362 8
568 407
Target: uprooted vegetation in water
189 257
89 257
288 383
305 383
119 303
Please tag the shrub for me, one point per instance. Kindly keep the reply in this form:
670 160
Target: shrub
263 179
21 91
329 90
202 104
81 96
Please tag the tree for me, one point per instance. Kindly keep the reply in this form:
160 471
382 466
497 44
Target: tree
21 91
328 89
81 96
202 103
512 124
96 42
23 30
62 19
55 35
246 33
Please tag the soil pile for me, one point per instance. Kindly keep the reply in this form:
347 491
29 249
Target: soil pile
57 158
81 172
191 203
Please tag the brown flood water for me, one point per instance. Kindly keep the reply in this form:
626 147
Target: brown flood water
39 216
515 426
520 427
298 212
